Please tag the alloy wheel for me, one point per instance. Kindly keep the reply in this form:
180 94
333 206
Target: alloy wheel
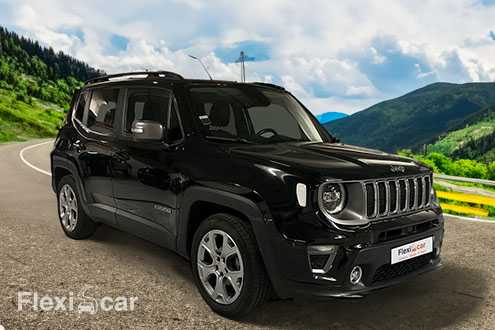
68 207
220 266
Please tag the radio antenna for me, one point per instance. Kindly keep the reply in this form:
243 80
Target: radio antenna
204 67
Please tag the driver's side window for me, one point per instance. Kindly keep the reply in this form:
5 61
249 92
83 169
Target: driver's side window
155 105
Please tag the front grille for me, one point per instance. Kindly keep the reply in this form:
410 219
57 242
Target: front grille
419 184
370 198
390 196
402 195
389 272
382 198
412 193
393 196
427 189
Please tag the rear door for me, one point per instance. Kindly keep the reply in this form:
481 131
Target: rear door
91 149
147 177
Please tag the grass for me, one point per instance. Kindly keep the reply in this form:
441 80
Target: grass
20 121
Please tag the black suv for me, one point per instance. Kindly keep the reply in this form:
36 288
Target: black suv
242 180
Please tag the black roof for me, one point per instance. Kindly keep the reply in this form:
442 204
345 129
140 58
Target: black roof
149 74
166 75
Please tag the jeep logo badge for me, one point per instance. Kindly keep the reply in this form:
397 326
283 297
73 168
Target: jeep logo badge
394 168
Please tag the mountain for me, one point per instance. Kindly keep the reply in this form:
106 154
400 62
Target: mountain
475 141
481 149
31 70
329 116
455 140
29 53
414 119
36 86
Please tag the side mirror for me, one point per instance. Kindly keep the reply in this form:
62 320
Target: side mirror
147 130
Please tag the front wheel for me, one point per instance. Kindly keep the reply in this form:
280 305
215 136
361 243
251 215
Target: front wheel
227 266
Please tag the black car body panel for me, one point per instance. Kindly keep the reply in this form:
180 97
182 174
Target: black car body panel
161 190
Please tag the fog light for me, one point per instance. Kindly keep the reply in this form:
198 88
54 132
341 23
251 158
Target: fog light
356 274
321 258
318 261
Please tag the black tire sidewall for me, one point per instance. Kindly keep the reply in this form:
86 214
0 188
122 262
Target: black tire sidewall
249 254
83 221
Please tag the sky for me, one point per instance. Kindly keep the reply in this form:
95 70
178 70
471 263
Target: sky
339 56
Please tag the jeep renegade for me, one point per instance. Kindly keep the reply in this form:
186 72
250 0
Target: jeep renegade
242 180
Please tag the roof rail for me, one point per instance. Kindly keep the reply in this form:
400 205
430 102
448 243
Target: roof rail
269 85
149 74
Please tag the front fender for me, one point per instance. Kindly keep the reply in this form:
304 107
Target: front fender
258 215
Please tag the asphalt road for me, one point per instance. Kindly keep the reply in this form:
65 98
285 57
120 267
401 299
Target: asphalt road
36 256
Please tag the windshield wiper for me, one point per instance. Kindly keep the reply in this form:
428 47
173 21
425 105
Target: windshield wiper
221 138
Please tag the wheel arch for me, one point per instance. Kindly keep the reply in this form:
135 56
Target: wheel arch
62 167
200 202
256 213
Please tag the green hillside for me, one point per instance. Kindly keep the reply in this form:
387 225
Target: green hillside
481 149
455 140
36 87
20 121
475 141
415 119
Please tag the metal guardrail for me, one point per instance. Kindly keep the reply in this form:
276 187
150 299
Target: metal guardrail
465 209
463 179
471 198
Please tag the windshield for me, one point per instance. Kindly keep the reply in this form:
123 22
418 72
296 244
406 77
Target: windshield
251 114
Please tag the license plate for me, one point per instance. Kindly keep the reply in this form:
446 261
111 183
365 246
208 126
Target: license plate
411 250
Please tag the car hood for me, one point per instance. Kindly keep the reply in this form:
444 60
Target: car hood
331 160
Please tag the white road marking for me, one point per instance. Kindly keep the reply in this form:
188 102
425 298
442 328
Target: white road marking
468 218
31 165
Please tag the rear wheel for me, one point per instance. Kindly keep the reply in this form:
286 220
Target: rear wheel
75 222
227 266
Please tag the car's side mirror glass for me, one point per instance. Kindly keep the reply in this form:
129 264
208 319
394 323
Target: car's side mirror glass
147 130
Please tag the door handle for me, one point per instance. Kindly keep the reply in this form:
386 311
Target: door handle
78 146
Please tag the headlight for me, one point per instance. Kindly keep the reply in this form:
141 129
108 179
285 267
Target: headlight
332 197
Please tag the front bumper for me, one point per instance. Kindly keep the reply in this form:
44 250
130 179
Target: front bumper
370 248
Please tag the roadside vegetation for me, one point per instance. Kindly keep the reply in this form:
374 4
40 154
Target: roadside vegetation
468 168
442 164
20 121
36 87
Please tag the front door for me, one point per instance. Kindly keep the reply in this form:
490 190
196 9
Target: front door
146 176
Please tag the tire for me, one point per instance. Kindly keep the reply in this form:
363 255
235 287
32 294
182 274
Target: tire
239 256
74 221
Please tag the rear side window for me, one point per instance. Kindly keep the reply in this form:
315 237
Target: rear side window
155 105
101 111
81 104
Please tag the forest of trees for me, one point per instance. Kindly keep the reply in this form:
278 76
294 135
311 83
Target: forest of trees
461 167
482 149
32 70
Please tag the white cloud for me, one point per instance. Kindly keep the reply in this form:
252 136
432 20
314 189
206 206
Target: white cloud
27 18
335 56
